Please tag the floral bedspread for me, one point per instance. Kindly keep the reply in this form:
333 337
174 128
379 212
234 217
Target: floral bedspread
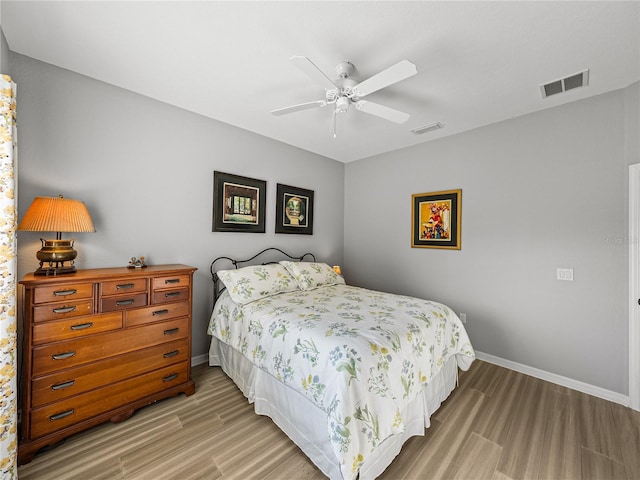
359 355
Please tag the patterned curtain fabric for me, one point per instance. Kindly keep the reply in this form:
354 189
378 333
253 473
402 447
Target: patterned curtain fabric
8 267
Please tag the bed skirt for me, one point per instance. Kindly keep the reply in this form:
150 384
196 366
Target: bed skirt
306 424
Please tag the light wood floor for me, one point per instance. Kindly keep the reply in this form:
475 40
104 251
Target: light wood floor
497 425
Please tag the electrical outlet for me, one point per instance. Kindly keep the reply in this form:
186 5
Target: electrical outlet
463 317
565 274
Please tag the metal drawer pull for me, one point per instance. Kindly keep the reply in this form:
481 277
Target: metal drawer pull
62 386
63 356
171 354
172 280
60 416
125 286
82 326
172 294
120 303
168 378
64 293
161 312
64 309
171 331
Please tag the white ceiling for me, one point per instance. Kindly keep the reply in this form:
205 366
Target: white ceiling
478 62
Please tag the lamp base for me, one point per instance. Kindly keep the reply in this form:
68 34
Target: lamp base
53 255
57 270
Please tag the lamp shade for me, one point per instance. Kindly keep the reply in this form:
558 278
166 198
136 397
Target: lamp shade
57 214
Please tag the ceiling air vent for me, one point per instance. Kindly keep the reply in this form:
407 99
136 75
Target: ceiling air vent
427 128
577 80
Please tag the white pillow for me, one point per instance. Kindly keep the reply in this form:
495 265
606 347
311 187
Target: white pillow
310 275
248 284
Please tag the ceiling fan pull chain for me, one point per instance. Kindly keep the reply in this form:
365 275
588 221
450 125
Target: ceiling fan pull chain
333 123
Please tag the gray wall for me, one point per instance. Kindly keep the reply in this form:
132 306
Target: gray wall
539 192
632 124
542 191
4 55
145 171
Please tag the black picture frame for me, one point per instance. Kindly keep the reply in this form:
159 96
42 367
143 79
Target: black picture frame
436 219
294 210
239 203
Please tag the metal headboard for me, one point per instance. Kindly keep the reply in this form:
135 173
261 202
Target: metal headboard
218 286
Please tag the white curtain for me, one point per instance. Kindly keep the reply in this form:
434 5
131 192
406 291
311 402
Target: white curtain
8 271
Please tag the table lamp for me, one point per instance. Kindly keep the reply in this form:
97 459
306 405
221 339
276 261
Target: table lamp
56 214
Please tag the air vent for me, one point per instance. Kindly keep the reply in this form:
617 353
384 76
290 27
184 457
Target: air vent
577 80
427 128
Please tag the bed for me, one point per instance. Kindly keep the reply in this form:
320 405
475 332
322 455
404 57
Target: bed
349 374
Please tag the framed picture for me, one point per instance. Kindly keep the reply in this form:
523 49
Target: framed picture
294 210
238 203
435 219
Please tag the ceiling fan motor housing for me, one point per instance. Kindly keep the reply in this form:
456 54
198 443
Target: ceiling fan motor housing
345 89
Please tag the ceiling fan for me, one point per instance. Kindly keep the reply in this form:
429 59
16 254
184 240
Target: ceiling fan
344 92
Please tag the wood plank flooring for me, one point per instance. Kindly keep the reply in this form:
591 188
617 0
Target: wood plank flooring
498 425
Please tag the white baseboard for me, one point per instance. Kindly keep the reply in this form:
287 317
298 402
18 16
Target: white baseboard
557 379
200 359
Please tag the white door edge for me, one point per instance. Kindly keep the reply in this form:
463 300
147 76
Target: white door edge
634 286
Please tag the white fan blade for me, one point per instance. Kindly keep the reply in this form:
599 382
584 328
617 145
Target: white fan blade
313 72
382 111
391 75
297 108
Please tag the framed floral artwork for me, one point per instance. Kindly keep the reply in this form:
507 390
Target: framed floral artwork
435 219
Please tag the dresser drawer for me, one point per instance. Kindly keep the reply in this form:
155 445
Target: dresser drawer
62 292
59 311
52 357
141 316
166 296
61 414
65 384
76 327
119 287
122 302
175 281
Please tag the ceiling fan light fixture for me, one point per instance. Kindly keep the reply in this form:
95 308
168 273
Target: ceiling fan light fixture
342 105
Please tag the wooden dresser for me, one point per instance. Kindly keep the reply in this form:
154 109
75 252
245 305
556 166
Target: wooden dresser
100 343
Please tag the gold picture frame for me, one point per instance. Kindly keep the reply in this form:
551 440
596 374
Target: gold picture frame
436 219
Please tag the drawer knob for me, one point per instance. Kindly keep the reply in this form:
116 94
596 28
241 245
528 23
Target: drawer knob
62 386
168 378
64 309
60 416
172 294
164 311
63 356
171 354
82 326
172 280
171 331
125 286
120 303
64 293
